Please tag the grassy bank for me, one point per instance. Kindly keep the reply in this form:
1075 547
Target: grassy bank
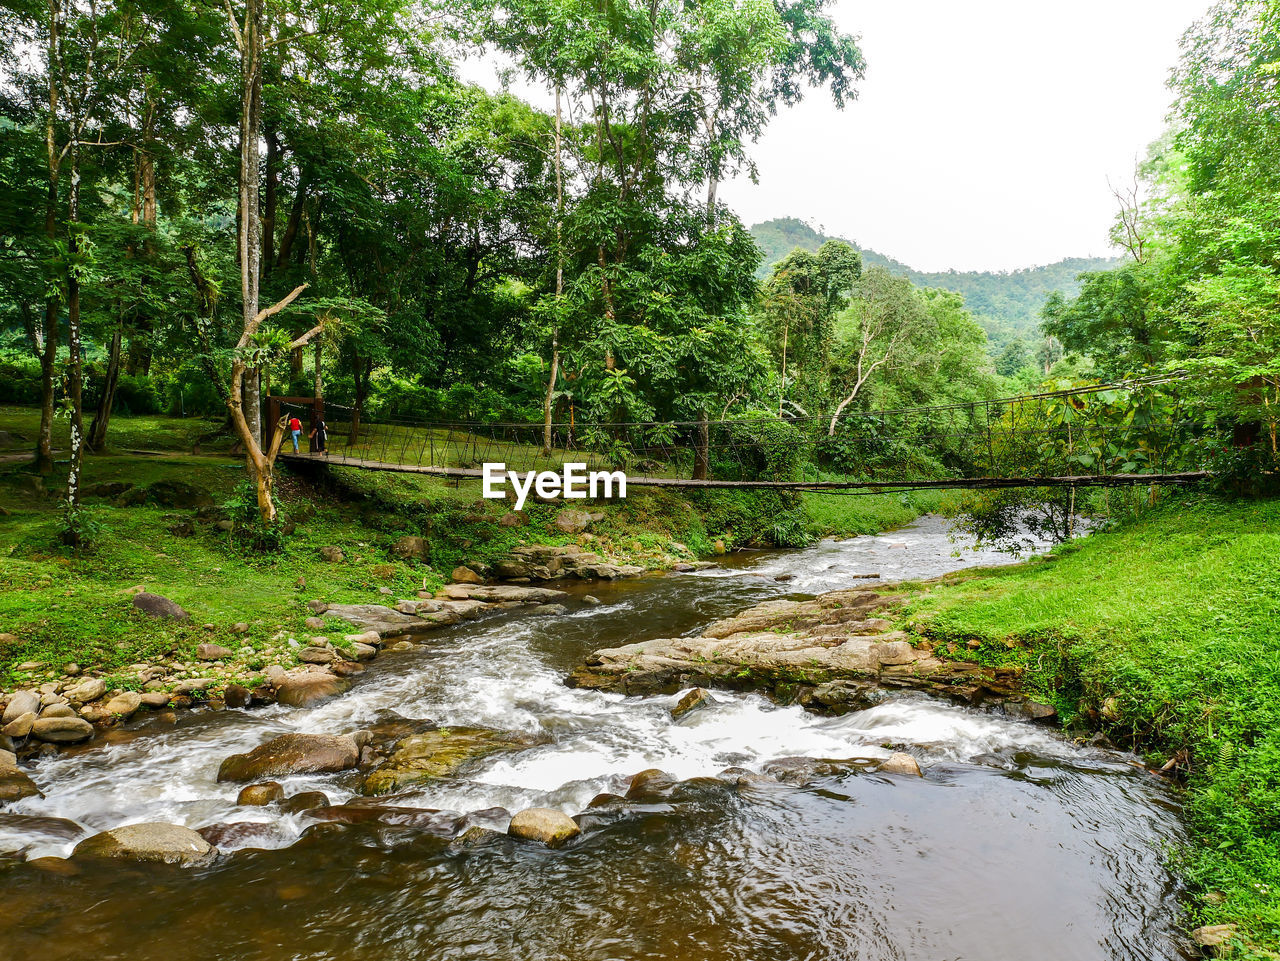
1165 635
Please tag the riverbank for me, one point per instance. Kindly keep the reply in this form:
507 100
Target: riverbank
1163 634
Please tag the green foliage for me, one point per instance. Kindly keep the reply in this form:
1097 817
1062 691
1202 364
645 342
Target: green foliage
79 528
249 532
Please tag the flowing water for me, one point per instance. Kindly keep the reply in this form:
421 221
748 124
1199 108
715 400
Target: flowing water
1017 844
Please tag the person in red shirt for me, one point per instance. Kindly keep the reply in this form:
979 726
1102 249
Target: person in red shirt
295 429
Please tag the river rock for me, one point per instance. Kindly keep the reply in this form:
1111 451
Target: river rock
304 801
20 703
62 730
331 554
260 795
236 696
364 652
157 606
899 762
166 843
87 690
316 655
291 754
155 699
441 753
1213 935
243 834
125 704
550 827
192 685
690 702
382 619
20 726
211 652
465 575
305 690
14 782
58 709
550 609
649 783
504 593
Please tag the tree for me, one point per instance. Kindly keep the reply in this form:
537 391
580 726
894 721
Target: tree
884 315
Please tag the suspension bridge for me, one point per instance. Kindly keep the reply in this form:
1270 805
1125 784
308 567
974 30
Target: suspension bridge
1136 432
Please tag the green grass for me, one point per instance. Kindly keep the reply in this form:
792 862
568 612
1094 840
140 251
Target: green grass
155 433
1165 634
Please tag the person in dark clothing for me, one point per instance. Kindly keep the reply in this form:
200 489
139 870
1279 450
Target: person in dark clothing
319 436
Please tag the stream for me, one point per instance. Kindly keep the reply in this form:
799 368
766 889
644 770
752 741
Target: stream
1017 843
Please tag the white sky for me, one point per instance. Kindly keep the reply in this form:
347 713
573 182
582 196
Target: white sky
984 133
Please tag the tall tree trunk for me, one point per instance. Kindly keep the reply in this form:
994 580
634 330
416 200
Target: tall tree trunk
319 395
97 441
75 363
548 402
250 235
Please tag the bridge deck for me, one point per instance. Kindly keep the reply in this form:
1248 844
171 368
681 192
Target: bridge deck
955 483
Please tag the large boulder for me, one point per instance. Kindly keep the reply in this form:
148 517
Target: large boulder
62 730
552 828
20 703
304 690
166 843
383 620
292 754
125 703
157 606
441 753
465 575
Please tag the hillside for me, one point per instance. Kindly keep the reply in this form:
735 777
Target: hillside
1006 303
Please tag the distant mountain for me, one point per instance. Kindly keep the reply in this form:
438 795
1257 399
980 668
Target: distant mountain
1006 303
